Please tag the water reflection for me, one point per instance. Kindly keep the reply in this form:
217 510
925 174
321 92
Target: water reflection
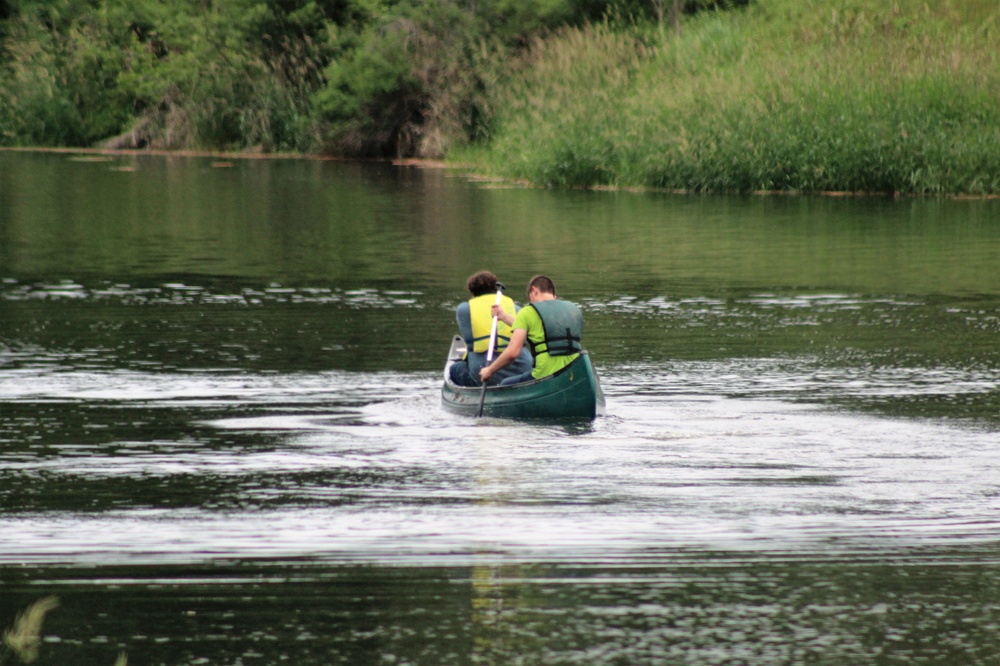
715 608
219 411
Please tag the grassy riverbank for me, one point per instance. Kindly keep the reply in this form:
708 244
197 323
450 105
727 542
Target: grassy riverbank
849 95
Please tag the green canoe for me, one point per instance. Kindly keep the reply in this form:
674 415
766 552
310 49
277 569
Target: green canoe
573 392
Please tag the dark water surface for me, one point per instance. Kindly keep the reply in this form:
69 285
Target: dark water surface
221 440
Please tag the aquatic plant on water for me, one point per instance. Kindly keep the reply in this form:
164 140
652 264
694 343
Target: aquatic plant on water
23 641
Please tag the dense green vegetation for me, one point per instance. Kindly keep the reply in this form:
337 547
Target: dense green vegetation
809 95
352 77
788 95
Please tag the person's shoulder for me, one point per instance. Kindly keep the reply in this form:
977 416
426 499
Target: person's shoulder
524 316
570 303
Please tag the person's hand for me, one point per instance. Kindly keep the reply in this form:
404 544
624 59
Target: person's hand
501 314
485 374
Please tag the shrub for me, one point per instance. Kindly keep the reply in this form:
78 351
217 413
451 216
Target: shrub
413 85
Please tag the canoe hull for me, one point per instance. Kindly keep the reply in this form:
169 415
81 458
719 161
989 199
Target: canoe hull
573 393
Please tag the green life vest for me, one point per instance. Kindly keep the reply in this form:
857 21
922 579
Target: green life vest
563 325
481 318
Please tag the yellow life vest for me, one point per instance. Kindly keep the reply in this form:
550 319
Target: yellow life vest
481 316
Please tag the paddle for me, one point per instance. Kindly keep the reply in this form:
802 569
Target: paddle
489 350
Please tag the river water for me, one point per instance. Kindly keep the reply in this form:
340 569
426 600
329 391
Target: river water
221 439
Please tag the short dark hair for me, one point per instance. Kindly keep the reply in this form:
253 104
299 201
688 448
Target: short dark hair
481 283
543 283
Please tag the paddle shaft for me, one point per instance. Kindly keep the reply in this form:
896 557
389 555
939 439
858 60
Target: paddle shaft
489 351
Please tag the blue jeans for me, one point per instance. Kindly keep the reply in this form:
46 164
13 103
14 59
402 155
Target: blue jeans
466 373
517 379
460 374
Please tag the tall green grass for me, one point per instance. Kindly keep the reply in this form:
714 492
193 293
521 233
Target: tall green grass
847 95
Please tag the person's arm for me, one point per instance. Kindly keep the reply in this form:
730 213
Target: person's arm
502 315
512 351
464 318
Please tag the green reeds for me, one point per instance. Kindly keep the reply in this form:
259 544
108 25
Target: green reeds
790 95
24 639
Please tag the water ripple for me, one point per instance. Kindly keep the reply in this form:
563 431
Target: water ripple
367 467
179 293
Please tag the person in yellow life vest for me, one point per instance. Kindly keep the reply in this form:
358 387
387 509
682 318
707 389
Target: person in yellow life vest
475 321
551 327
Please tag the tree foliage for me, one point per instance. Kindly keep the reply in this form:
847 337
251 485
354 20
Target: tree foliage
354 77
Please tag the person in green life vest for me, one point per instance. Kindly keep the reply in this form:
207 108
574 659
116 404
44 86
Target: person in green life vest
475 321
551 327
